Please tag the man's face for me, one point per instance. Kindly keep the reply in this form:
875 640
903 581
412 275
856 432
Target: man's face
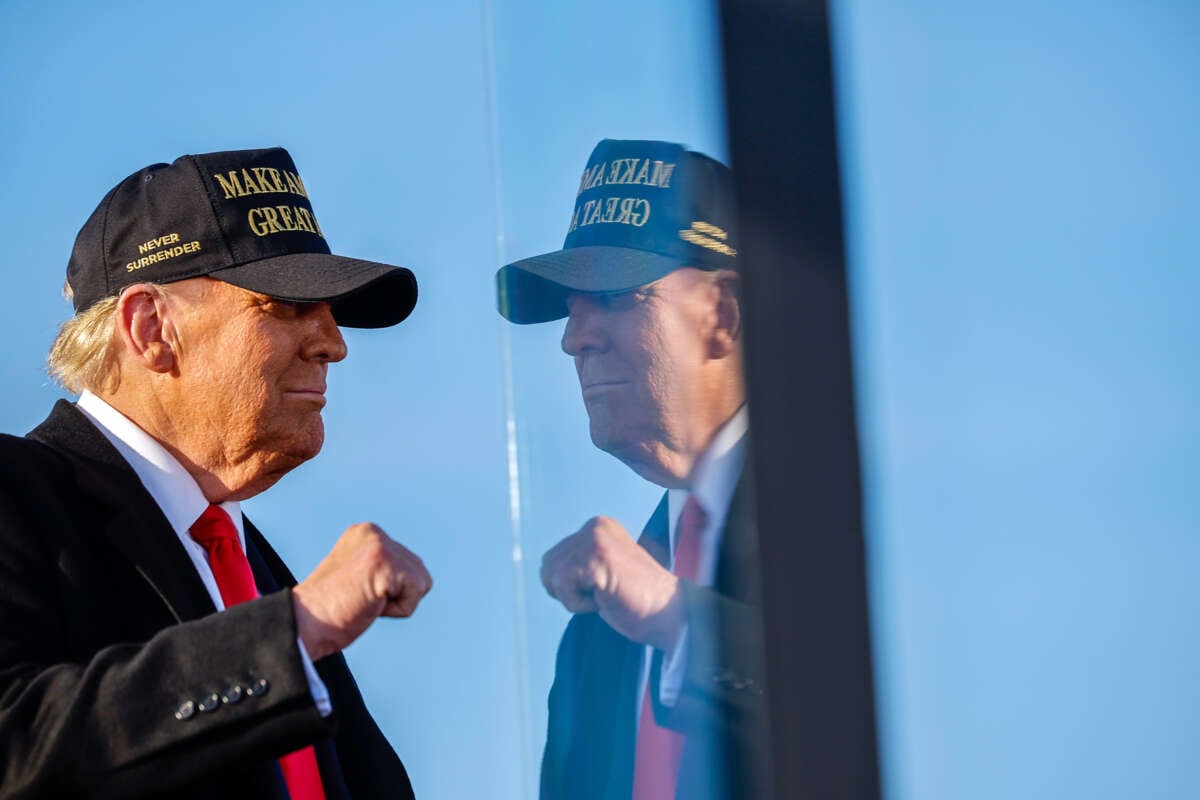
251 375
640 357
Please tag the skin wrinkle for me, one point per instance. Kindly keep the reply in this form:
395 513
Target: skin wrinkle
232 384
659 370
209 371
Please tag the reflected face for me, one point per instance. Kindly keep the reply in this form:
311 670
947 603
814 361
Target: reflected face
252 375
640 356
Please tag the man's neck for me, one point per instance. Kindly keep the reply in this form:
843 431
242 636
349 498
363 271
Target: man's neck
169 484
219 482
676 466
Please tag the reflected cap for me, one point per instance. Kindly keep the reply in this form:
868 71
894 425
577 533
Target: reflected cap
241 216
643 209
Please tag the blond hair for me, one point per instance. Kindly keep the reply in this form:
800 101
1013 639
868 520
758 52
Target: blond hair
84 352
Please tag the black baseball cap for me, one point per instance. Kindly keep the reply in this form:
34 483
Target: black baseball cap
643 209
241 216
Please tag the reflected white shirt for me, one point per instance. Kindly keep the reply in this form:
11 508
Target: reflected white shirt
182 502
716 477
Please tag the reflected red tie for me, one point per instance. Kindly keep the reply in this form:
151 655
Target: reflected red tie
216 533
659 750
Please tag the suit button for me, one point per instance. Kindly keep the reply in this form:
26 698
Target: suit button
258 687
723 678
185 711
233 695
209 702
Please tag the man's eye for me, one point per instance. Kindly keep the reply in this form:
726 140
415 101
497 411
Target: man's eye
622 301
284 309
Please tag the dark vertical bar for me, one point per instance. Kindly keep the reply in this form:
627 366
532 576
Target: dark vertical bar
783 143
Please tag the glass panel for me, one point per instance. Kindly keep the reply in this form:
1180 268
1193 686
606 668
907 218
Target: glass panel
654 345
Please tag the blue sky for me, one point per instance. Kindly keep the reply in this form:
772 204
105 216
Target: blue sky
1021 205
1021 198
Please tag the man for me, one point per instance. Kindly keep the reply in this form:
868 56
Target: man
152 644
658 685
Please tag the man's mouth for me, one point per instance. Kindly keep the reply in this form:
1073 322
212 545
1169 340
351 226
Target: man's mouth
316 394
596 387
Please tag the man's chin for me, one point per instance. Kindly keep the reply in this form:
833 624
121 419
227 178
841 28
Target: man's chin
604 439
298 448
271 467
649 459
306 439
628 451
307 450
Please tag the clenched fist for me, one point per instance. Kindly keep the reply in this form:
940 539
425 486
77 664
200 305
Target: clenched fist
601 569
367 575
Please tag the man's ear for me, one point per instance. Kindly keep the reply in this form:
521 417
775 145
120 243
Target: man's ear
145 327
728 330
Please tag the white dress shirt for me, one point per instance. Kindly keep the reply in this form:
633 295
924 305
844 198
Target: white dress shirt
715 478
181 501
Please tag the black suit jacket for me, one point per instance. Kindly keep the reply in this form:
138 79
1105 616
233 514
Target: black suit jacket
106 633
593 703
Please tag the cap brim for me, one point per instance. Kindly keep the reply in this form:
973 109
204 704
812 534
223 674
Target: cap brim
362 294
535 289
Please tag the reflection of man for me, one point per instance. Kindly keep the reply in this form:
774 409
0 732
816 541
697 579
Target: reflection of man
657 689
207 311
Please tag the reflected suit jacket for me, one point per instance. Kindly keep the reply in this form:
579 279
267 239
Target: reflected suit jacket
593 703
106 633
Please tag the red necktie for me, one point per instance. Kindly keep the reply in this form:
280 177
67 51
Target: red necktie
659 750
216 533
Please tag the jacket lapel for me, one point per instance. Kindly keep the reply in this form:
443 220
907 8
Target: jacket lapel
605 753
656 536
271 575
737 561
129 519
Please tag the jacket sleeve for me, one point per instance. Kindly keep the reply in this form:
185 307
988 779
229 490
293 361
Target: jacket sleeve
197 699
723 679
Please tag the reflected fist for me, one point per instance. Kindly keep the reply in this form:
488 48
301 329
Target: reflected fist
601 569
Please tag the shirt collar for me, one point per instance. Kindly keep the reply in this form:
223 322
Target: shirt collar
716 473
172 487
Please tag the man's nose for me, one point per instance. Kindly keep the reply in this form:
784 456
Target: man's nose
324 341
584 330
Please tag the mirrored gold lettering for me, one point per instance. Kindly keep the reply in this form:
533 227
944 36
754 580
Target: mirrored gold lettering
644 173
626 209
610 209
614 170
639 218
597 176
662 175
594 214
630 166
